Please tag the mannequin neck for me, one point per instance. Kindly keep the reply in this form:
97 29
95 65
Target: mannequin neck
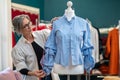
69 13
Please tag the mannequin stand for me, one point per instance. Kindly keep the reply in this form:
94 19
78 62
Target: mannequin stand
87 76
68 77
78 77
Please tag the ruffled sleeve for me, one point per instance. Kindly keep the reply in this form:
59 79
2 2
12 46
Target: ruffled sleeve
50 52
87 51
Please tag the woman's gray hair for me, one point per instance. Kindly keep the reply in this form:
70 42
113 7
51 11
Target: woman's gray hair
18 22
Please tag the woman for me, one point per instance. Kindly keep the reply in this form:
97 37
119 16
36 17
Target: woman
28 51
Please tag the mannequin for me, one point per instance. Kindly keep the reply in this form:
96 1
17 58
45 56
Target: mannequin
69 12
69 70
68 48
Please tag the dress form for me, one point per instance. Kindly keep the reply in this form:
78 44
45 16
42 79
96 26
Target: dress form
69 12
70 69
69 47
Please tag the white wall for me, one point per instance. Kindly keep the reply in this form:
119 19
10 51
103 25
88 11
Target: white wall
5 34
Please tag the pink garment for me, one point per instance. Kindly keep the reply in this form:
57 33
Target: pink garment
9 74
18 75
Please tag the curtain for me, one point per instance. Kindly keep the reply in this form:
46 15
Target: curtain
33 16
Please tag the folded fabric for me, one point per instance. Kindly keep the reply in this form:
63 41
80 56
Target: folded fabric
7 74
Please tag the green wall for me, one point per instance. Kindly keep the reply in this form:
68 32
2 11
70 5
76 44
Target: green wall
34 3
102 13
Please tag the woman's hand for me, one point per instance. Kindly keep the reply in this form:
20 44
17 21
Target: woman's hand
37 73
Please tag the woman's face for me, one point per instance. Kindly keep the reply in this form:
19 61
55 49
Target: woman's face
27 27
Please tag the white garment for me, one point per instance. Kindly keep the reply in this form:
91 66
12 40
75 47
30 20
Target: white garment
68 70
95 42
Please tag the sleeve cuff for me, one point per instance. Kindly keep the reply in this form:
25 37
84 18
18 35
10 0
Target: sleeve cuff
47 70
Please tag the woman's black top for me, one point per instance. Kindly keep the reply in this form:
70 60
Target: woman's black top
39 53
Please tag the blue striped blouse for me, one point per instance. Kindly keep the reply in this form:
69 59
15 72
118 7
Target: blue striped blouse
69 38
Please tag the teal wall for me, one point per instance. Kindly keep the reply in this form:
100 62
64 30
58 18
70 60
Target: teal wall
102 13
34 3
